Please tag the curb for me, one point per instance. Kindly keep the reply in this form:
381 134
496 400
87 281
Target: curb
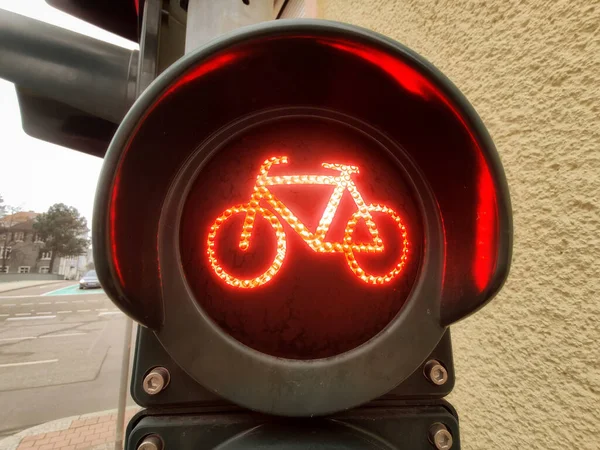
54 434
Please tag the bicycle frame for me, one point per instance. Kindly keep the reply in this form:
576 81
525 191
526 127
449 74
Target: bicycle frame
316 241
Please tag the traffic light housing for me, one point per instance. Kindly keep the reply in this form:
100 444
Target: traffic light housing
218 165
295 213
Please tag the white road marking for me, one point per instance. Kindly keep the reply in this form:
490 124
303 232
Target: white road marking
59 335
47 336
26 304
3 315
11 297
17 338
29 363
109 313
60 303
43 312
31 317
64 312
102 309
10 304
83 310
23 314
77 301
44 303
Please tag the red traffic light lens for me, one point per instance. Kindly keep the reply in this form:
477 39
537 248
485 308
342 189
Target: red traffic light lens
301 238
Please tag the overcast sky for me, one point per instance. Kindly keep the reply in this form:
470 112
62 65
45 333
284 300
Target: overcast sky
35 174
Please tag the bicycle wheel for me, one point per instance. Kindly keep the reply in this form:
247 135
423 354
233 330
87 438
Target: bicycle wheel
248 283
350 248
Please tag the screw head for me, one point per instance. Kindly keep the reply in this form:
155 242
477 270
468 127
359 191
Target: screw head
151 442
440 437
436 372
156 380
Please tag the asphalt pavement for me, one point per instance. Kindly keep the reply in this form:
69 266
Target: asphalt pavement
60 354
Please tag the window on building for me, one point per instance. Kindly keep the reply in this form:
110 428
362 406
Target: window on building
45 269
37 239
4 269
46 256
24 269
19 236
5 252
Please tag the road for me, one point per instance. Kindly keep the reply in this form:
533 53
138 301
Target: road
60 354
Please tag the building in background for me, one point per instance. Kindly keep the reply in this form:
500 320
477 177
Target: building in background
21 250
16 218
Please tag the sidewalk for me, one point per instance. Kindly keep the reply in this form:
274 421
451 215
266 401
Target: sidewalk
95 431
14 285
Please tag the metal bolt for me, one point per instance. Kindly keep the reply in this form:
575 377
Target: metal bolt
156 380
440 436
435 372
151 442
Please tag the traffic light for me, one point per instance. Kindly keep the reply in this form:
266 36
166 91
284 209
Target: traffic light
295 213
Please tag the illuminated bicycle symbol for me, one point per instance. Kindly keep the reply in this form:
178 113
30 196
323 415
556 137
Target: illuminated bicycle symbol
316 241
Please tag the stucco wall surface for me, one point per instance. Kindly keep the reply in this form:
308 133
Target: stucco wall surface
528 365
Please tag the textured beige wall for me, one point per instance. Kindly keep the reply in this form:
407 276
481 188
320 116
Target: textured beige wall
528 365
